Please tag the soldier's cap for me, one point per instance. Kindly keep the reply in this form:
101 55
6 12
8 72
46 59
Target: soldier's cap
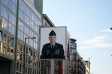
52 33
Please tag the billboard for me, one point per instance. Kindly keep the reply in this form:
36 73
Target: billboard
53 42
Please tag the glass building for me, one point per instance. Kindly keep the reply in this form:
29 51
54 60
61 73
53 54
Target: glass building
19 19
73 51
73 48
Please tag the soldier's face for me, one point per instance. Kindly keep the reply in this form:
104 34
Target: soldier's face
52 39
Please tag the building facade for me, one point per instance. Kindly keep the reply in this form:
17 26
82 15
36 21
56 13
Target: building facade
76 62
19 22
80 65
87 64
73 51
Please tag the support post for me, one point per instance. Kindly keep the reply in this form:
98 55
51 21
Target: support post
52 66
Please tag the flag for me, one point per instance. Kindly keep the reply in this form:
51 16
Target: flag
68 51
59 64
60 67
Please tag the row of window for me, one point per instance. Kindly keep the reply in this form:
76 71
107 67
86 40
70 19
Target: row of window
33 43
28 70
12 18
25 10
31 56
28 21
31 20
6 44
11 4
5 13
7 47
25 28
6 1
72 57
72 51
7 26
72 63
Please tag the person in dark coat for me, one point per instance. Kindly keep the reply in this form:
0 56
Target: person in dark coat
52 50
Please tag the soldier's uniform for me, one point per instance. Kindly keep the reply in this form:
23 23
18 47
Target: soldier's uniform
52 52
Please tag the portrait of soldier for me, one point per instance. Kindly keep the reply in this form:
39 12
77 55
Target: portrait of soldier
52 50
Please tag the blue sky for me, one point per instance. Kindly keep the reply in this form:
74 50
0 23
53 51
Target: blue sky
89 22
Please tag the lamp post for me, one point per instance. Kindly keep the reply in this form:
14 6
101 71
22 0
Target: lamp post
25 49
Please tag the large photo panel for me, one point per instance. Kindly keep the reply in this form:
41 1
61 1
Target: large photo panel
53 42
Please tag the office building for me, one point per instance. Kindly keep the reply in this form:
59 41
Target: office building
76 62
73 51
87 64
19 21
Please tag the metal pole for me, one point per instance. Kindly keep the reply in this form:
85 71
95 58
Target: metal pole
16 35
24 54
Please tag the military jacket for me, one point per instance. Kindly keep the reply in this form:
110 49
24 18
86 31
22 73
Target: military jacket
57 52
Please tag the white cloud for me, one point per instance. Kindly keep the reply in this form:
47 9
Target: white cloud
85 47
100 41
104 45
107 30
96 39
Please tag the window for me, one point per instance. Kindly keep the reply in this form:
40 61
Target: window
27 31
5 13
35 45
4 23
12 19
14 1
33 16
19 51
40 23
4 38
29 54
1 10
18 68
12 42
12 6
21 14
22 35
36 20
28 21
21 5
5 2
10 47
1 50
11 28
1 36
19 34
21 26
25 19
27 10
32 25
37 30
30 12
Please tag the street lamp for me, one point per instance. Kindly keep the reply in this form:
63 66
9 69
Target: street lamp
25 49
